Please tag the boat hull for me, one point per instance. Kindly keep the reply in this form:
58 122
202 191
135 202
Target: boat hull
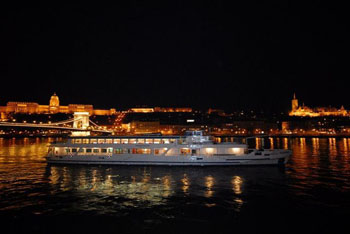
277 159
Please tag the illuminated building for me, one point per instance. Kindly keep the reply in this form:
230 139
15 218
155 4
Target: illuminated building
3 116
160 109
142 127
142 110
217 111
295 104
304 111
22 107
172 109
53 108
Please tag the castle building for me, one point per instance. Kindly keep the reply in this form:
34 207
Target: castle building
160 109
54 107
305 111
172 109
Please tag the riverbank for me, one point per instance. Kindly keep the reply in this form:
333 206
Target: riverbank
221 136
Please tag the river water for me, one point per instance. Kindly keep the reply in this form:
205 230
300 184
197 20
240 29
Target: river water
311 194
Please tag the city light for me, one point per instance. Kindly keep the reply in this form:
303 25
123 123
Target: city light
162 120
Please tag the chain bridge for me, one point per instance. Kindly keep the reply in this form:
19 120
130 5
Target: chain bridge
80 125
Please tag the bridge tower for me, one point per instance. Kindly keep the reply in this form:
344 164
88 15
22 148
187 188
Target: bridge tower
81 121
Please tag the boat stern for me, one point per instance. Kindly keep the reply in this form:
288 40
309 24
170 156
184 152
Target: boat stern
284 156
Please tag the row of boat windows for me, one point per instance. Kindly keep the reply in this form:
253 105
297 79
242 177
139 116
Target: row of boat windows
183 151
110 151
124 141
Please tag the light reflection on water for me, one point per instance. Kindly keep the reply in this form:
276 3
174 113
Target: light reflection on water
317 168
138 186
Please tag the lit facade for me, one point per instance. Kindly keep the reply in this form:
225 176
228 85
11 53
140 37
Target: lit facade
141 127
54 107
142 110
172 109
161 109
304 111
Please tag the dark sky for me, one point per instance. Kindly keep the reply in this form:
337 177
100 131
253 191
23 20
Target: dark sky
177 53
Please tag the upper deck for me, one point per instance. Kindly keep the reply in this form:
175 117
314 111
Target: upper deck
192 137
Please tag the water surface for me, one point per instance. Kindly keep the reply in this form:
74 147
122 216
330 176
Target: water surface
311 194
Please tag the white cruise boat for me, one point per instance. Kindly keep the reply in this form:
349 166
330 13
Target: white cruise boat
193 149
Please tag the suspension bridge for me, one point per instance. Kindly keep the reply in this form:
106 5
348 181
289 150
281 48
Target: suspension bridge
80 124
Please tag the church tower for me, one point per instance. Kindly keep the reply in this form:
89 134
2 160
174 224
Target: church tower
295 104
54 103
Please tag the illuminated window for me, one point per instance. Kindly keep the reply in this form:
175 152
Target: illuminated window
67 150
156 141
109 141
101 141
185 151
149 141
236 150
141 141
156 151
165 141
93 141
124 141
172 140
209 150
146 151
141 151
118 151
77 141
116 141
85 141
132 141
180 141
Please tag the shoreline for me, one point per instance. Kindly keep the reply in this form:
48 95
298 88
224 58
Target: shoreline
9 136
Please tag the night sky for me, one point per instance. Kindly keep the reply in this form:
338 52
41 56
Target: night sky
199 54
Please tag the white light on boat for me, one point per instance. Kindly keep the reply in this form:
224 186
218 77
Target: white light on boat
190 121
236 150
209 150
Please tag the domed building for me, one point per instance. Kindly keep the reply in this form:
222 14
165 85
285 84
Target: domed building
53 108
54 104
54 100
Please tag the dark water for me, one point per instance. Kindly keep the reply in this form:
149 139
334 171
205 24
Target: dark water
311 194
